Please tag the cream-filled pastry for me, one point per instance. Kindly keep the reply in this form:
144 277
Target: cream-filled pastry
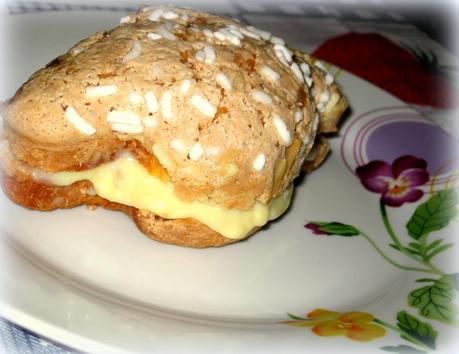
194 125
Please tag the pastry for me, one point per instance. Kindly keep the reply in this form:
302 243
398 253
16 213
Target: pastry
192 124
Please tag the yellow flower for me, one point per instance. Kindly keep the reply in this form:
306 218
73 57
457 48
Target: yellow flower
357 326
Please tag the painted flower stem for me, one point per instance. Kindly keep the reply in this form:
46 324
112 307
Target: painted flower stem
388 226
397 243
403 334
391 261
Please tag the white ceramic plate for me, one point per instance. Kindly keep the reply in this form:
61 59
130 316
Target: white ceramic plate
92 281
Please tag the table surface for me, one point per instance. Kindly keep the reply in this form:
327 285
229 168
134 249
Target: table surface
428 27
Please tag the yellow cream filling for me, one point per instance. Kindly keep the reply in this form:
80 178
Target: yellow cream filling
126 181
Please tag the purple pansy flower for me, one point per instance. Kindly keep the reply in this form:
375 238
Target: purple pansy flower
397 182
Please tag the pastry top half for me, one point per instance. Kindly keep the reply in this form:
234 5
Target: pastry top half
227 111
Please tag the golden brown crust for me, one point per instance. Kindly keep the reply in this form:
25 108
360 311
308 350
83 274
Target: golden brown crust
334 112
181 232
317 155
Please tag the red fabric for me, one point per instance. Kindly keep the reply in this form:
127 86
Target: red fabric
389 66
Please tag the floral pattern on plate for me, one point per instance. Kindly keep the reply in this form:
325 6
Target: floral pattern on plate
404 158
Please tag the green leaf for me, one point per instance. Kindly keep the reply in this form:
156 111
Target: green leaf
407 338
293 317
402 349
434 244
337 229
412 251
438 250
434 214
394 246
435 301
413 327
415 245
425 280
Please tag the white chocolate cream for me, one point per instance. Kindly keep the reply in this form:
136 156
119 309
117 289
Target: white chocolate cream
126 181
